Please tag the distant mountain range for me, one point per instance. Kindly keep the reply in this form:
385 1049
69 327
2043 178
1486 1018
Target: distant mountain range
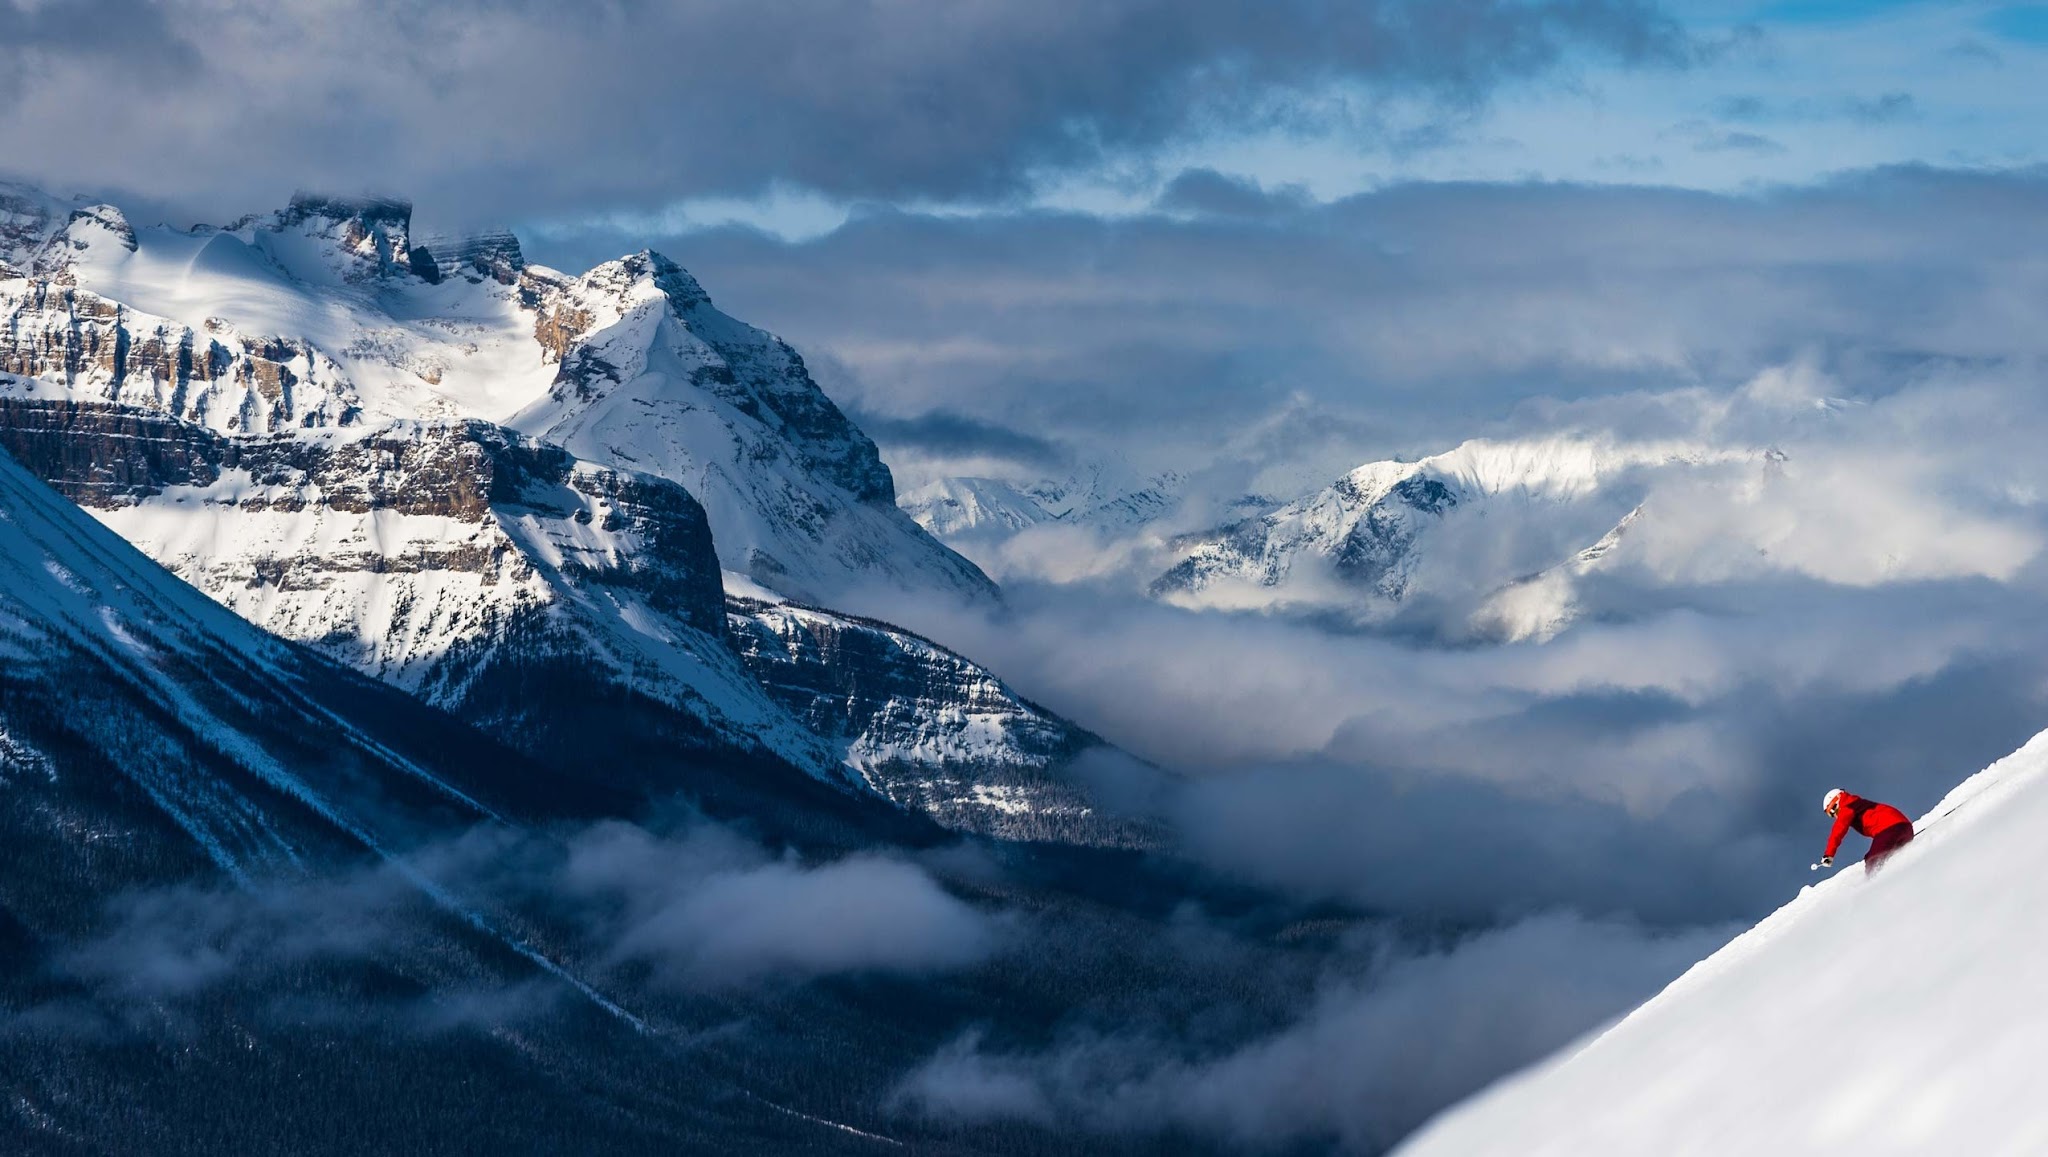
1491 539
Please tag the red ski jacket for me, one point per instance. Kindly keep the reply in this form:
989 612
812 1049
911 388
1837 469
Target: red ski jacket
1865 815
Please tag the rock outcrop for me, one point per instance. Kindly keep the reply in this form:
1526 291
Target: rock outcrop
926 728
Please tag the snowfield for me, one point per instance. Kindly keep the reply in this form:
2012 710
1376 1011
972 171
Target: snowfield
1897 1013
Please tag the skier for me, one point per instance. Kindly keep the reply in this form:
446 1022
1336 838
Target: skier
1887 827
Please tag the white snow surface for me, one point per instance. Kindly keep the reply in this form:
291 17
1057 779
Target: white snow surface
68 586
390 598
1899 1013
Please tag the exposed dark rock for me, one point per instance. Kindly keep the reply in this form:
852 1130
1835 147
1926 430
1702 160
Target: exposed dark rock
492 253
930 730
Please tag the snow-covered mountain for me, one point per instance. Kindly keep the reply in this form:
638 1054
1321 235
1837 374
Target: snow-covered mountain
253 900
1091 522
1893 1013
970 509
514 493
455 560
1457 527
324 315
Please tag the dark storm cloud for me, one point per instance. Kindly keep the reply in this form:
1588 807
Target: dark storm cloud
517 107
135 36
1210 192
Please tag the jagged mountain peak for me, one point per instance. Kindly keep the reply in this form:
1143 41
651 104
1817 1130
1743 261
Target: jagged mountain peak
105 217
681 289
28 218
370 210
329 312
373 230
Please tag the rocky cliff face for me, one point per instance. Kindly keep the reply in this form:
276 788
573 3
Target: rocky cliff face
327 314
28 219
430 556
96 348
926 728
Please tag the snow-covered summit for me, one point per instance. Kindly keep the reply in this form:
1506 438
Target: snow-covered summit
1899 1013
651 375
327 313
1456 526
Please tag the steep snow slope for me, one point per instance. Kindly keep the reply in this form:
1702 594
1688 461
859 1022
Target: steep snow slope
87 620
1900 1013
655 378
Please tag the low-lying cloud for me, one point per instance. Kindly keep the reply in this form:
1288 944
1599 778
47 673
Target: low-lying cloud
1370 1059
712 911
1832 579
699 909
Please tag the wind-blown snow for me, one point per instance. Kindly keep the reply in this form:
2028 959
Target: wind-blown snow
1895 1013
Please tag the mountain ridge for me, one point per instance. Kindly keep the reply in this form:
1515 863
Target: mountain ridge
447 477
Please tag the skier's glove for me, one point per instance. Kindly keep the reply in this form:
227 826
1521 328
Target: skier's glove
1827 861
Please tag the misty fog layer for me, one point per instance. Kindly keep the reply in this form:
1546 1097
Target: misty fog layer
1835 579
